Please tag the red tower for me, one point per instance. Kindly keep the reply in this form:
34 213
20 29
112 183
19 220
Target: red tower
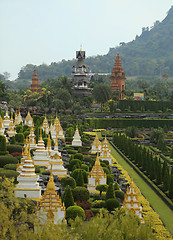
34 85
118 77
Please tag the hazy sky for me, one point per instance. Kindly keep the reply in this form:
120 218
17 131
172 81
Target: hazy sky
45 31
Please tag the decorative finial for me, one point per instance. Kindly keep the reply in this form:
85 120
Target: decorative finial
40 133
81 48
51 184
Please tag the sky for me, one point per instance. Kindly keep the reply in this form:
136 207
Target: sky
45 31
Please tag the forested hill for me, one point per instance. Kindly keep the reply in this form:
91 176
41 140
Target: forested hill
150 54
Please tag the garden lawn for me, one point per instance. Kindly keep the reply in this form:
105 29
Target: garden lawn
165 213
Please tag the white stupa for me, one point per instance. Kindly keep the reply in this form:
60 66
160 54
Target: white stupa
49 147
57 163
105 151
58 129
50 206
32 141
6 119
77 138
24 157
45 125
2 128
29 120
41 156
28 186
18 118
11 128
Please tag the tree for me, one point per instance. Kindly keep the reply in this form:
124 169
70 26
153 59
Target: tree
102 93
102 188
3 146
110 191
80 180
171 187
68 197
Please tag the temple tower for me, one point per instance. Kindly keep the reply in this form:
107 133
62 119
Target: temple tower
80 80
105 151
29 120
96 176
96 145
34 85
118 77
77 138
50 206
45 125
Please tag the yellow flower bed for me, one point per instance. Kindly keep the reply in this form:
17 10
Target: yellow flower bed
98 130
90 133
149 215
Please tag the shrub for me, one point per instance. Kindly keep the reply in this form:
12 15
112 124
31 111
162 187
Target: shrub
110 192
7 159
98 204
85 167
26 133
68 181
3 146
12 148
110 178
80 194
106 162
111 204
84 204
80 180
71 151
10 167
88 214
76 172
13 140
95 210
37 169
116 186
106 170
79 156
87 159
19 137
119 194
74 162
68 197
9 174
73 211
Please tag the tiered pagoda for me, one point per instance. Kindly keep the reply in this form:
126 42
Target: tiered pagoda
105 151
96 145
96 176
118 77
80 80
77 138
34 85
29 120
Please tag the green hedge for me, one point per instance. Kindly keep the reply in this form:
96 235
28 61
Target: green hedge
14 148
10 167
9 174
73 211
123 123
7 159
111 204
80 194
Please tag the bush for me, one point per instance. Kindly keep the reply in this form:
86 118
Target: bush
110 192
71 151
85 167
68 197
14 148
3 146
10 167
74 162
106 170
68 139
84 204
119 194
87 159
37 169
19 137
95 210
9 174
7 159
106 162
76 172
73 211
98 204
116 186
68 181
13 140
80 194
26 133
110 178
79 156
88 214
111 204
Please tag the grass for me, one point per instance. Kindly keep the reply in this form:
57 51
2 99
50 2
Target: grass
159 206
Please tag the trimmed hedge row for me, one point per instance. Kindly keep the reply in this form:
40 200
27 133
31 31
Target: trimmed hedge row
146 179
7 159
123 123
14 148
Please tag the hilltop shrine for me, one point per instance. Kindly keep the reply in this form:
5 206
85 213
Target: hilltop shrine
35 86
118 77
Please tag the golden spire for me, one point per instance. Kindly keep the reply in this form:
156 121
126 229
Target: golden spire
49 142
22 152
6 110
97 162
81 48
11 116
29 155
26 148
41 134
51 184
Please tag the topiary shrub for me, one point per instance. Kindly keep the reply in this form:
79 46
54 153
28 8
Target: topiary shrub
106 162
68 197
116 186
80 194
79 156
111 204
119 194
11 167
3 146
87 158
71 151
85 167
73 211
84 204
14 148
7 159
95 211
98 204
106 170
9 174
20 137
68 181
26 133
74 162
13 140
76 173
110 192
110 178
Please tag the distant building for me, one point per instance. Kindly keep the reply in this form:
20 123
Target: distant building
80 80
34 85
118 77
